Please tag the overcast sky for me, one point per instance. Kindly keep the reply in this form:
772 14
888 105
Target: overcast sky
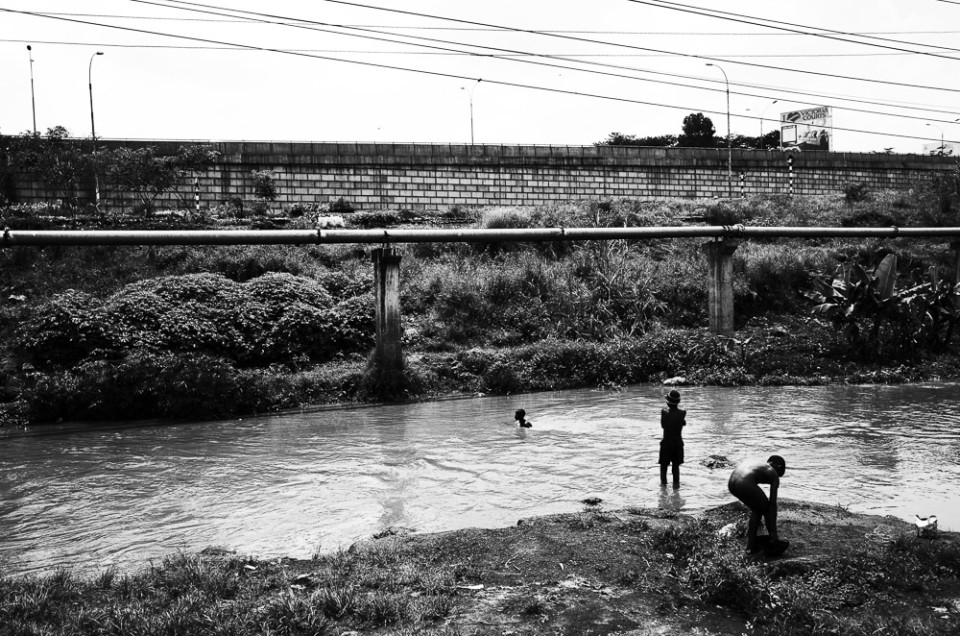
559 72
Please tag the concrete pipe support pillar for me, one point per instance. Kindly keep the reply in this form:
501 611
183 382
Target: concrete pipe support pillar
956 261
720 285
386 265
956 269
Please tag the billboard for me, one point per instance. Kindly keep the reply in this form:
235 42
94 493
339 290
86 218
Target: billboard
948 149
807 129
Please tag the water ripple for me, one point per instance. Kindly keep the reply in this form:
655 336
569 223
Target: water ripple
293 484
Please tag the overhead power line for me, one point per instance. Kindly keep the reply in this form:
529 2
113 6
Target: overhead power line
575 56
315 25
171 3
415 70
818 32
778 90
446 28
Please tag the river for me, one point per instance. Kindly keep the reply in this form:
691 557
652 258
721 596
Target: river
297 484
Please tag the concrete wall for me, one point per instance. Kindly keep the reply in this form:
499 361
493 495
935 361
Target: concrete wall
434 176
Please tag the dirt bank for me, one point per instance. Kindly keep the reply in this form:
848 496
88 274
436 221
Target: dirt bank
648 571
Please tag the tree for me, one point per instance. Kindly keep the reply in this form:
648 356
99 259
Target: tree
264 189
698 132
770 140
56 161
148 174
142 172
620 139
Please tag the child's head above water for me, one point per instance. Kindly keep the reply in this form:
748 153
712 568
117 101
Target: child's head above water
520 414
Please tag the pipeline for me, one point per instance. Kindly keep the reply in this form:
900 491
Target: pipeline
25 238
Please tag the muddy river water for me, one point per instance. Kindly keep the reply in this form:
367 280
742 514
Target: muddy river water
297 484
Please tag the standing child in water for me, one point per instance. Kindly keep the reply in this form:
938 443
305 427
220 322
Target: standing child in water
672 421
519 416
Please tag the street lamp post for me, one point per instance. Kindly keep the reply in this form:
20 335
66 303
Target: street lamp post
93 131
33 101
471 106
762 115
729 138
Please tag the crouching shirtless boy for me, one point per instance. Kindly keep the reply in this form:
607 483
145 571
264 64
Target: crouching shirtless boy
745 483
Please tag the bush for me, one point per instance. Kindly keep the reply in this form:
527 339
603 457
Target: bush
341 206
855 192
63 330
280 290
275 317
774 277
141 385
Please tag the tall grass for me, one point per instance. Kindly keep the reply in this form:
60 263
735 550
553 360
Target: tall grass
454 297
190 595
859 593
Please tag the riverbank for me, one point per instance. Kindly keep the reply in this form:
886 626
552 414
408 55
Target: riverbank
187 332
629 571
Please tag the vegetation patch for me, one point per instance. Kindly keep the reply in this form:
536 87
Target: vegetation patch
108 332
598 571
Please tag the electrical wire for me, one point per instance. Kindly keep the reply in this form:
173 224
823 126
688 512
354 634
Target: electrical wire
529 31
415 70
817 32
439 28
780 90
574 56
356 4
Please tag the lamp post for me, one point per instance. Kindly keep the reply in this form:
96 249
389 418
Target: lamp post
762 115
33 101
93 130
471 106
729 139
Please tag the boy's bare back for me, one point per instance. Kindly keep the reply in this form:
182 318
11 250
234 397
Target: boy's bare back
754 472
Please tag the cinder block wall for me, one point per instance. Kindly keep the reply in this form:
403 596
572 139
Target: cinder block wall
437 176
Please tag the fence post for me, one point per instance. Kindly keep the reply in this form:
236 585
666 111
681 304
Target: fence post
720 284
386 266
790 171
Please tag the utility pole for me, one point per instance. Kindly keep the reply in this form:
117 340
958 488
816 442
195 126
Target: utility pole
729 135
93 132
33 100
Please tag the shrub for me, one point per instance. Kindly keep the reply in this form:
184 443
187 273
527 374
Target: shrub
855 192
775 277
264 187
301 328
352 324
141 385
63 330
504 218
280 290
341 206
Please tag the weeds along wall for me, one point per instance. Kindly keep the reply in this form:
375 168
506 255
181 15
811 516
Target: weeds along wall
432 176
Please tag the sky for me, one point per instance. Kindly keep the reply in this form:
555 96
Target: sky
546 72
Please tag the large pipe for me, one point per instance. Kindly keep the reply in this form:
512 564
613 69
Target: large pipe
16 238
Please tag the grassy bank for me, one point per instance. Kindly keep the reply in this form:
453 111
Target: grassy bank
169 332
635 571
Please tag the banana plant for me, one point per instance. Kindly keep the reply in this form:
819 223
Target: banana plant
858 301
938 308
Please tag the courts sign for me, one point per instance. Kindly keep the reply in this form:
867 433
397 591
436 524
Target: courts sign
807 129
